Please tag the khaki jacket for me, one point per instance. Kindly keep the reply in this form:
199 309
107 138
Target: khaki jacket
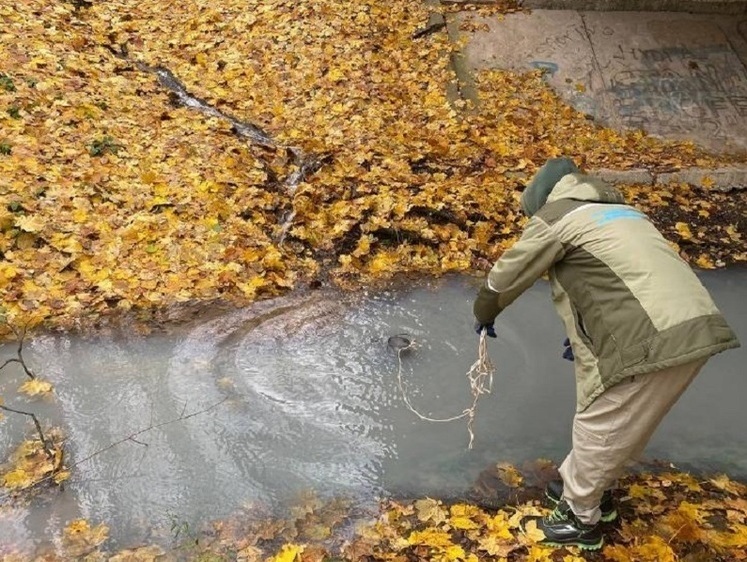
629 303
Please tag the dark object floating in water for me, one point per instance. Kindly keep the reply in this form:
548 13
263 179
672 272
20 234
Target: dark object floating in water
399 342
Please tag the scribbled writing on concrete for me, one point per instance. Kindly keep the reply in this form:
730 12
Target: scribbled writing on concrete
708 85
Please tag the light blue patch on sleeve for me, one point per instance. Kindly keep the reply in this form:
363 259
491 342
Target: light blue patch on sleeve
616 213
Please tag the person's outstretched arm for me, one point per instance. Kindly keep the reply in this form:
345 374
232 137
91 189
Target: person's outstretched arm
517 270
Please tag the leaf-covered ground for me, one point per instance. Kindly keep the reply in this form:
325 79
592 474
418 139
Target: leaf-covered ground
665 516
114 197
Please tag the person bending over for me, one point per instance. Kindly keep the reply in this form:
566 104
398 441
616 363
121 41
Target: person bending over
640 327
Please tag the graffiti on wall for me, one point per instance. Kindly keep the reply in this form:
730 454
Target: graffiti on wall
680 88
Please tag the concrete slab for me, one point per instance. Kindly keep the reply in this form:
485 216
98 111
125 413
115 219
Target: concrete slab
734 7
674 75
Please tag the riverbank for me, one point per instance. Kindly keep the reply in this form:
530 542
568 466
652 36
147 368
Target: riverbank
301 394
665 515
153 159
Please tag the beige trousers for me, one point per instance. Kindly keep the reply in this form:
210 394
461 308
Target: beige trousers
614 430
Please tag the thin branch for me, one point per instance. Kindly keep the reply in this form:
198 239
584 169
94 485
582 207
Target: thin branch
19 359
433 28
138 442
8 362
47 448
151 427
131 437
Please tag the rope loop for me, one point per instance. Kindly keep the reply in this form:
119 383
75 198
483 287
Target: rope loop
479 375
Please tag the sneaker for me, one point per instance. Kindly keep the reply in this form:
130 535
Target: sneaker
562 528
554 493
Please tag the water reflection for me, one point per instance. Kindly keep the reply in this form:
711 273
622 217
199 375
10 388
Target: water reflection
307 397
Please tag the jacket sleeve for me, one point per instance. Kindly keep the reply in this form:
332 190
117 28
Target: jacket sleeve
517 269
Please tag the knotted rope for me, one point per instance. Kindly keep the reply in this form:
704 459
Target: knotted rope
479 375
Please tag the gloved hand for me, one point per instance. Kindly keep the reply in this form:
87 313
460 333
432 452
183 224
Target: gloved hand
485 309
568 353
489 329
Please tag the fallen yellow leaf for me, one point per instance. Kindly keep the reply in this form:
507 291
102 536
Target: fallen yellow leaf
35 387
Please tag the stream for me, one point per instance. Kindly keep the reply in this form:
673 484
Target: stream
300 393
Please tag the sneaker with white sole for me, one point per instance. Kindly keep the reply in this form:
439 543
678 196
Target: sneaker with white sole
554 493
562 528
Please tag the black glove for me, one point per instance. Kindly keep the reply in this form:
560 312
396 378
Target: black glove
568 353
489 329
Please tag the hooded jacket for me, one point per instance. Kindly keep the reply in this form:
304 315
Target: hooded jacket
629 303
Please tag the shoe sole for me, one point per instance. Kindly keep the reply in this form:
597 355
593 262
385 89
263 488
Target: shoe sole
606 517
582 546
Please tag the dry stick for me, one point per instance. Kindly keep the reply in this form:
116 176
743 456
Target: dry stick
48 449
20 360
480 376
151 427
45 443
130 437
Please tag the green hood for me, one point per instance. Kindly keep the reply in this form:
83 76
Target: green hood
535 196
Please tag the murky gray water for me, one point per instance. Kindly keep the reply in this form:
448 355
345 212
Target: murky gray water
309 400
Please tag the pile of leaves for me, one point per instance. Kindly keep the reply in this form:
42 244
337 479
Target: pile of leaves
117 197
665 516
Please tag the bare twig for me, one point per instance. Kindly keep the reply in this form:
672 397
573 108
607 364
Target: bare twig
48 449
432 28
19 359
131 437
139 442
151 427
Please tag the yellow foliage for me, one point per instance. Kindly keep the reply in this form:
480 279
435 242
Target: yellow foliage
428 509
683 229
30 463
655 549
288 553
431 537
80 539
723 482
533 533
35 387
117 196
17 479
509 475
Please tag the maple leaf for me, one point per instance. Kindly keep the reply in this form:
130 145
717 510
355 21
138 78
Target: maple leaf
30 223
17 479
36 387
683 229
430 537
288 553
723 482
80 538
61 476
428 509
509 475
532 532
496 546
655 549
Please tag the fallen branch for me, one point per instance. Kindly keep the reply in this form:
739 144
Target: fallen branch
48 449
19 359
305 164
45 443
182 416
428 30
132 437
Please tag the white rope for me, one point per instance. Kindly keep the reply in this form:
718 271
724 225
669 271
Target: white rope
479 375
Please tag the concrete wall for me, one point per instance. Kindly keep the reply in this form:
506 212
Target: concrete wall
735 7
